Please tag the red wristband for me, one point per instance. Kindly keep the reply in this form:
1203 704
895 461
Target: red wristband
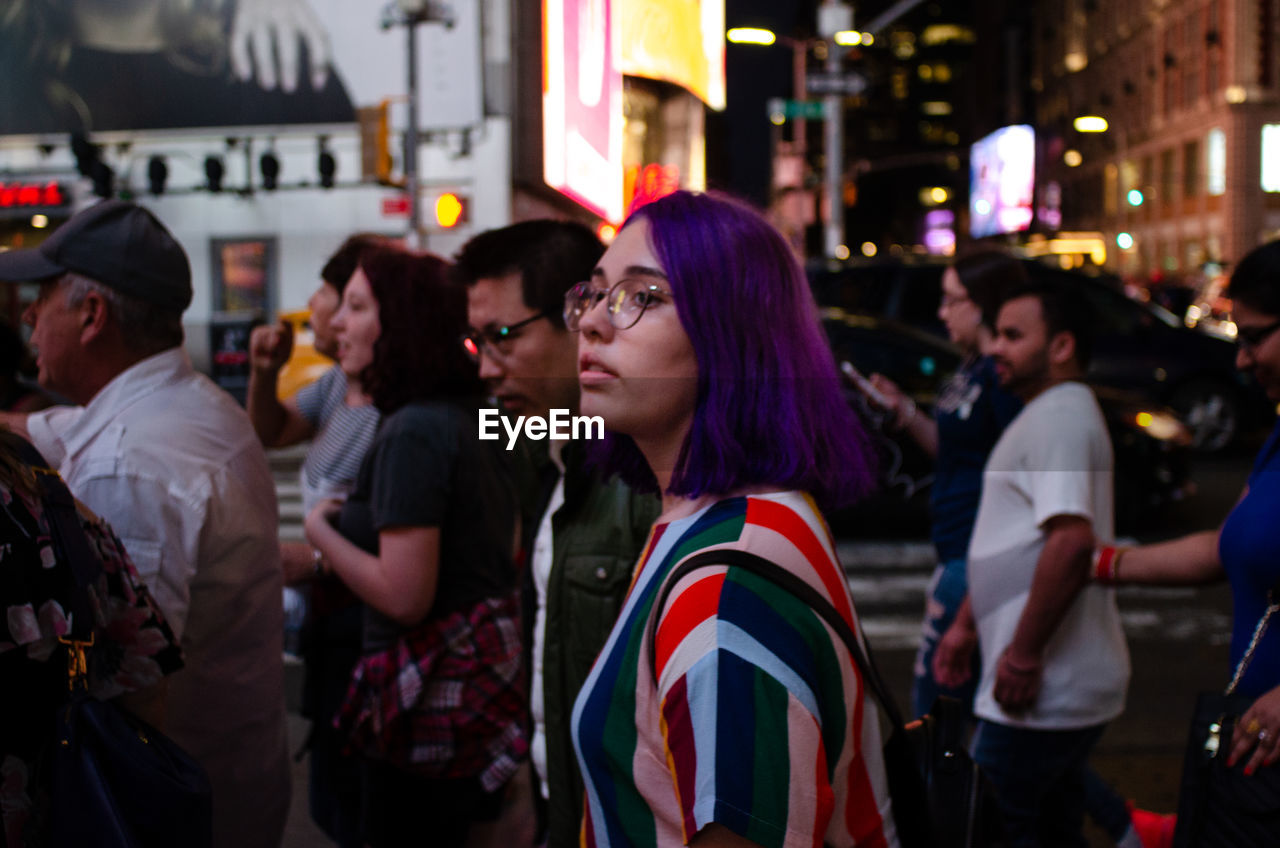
1104 564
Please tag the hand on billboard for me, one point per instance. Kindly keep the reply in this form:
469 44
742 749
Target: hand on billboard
264 30
270 347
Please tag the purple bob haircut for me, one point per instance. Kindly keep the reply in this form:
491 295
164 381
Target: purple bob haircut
770 411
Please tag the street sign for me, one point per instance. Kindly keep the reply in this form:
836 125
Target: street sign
395 206
845 84
809 110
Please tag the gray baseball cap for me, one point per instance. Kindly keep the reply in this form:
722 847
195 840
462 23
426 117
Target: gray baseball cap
119 244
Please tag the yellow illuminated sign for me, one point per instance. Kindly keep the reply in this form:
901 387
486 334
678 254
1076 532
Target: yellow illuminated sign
679 41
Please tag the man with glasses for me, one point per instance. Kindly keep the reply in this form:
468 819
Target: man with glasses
582 534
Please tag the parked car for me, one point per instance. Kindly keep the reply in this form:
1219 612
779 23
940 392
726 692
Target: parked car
1139 347
1152 446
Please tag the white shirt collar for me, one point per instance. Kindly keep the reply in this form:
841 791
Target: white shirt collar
135 382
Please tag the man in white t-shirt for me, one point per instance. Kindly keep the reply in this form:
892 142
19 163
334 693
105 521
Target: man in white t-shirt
1054 663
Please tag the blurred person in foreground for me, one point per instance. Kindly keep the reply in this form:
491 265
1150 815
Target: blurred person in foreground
700 347
172 462
1244 549
436 706
1055 667
971 412
132 651
582 533
339 417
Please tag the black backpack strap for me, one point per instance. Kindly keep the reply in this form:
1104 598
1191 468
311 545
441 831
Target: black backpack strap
784 579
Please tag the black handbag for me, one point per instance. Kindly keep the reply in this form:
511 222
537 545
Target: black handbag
941 799
117 782
1220 807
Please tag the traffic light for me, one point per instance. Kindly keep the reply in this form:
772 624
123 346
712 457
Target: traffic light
157 174
327 166
450 210
269 165
89 163
375 144
213 171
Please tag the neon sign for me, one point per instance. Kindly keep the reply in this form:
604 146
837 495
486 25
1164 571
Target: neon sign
32 195
645 184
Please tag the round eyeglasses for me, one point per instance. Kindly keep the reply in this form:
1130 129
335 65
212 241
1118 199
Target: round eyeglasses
626 301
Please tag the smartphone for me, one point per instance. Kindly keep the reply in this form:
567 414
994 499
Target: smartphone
864 385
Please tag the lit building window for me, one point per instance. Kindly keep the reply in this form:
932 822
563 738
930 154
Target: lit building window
1271 157
936 34
1216 162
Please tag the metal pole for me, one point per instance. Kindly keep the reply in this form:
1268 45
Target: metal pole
834 136
834 16
799 55
411 139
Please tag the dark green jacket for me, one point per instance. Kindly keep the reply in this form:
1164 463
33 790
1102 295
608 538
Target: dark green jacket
597 536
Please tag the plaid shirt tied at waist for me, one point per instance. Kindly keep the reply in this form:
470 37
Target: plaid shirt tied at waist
447 699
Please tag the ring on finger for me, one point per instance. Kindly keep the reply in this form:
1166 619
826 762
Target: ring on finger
1263 735
1252 727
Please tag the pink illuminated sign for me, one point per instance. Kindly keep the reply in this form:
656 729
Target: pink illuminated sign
582 105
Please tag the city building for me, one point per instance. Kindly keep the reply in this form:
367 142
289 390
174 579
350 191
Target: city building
1184 174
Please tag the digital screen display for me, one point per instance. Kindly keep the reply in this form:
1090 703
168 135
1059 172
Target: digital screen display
1002 182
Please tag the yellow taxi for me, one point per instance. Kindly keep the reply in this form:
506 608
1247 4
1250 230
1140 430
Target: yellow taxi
305 364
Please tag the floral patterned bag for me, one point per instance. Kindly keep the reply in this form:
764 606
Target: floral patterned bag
117 781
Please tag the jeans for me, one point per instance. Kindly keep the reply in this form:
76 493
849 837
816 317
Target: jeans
947 589
1040 777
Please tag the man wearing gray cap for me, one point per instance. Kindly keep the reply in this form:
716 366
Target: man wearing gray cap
173 463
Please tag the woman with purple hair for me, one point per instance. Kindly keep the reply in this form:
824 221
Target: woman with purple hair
731 712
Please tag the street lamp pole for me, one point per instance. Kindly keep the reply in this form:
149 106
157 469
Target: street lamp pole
834 16
799 67
411 137
410 13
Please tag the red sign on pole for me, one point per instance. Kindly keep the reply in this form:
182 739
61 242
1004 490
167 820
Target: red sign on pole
396 206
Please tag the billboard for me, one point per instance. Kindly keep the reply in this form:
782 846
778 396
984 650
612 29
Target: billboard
679 41
582 105
1002 181
102 66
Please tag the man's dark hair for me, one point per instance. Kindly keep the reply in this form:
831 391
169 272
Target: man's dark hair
344 261
987 276
1256 280
551 256
1065 310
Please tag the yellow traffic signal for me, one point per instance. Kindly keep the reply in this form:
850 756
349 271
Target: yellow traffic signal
375 144
451 210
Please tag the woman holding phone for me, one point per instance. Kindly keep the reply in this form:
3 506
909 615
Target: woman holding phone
971 413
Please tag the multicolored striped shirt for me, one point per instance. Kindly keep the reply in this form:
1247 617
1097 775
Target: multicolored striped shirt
758 720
